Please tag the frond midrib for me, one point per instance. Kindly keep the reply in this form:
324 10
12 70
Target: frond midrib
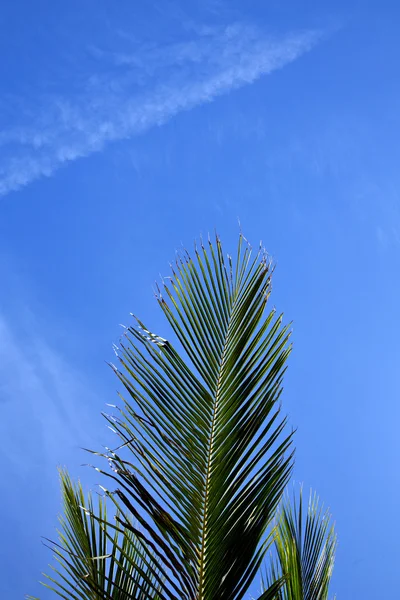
203 526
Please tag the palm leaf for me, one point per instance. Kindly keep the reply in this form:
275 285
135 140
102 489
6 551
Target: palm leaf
95 559
305 550
204 455
209 462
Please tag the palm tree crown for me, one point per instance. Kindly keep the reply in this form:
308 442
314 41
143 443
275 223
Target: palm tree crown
204 453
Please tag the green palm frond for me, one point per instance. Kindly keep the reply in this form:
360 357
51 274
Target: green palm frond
95 559
305 550
210 460
204 454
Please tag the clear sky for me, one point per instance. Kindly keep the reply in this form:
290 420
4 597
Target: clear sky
128 128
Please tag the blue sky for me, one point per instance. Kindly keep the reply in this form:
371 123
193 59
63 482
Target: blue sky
128 128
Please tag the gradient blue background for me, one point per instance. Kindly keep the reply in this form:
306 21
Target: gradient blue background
130 128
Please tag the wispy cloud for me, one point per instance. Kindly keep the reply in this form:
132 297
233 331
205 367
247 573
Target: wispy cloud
44 403
136 90
48 412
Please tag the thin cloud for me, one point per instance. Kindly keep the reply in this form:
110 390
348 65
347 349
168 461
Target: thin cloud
48 412
140 90
43 402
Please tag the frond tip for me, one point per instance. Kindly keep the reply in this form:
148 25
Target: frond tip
95 558
305 547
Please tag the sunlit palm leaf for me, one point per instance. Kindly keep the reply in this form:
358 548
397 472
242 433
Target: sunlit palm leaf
204 455
97 561
305 550
209 461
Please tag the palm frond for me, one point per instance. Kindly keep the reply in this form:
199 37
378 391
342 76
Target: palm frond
95 559
204 455
305 550
210 456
